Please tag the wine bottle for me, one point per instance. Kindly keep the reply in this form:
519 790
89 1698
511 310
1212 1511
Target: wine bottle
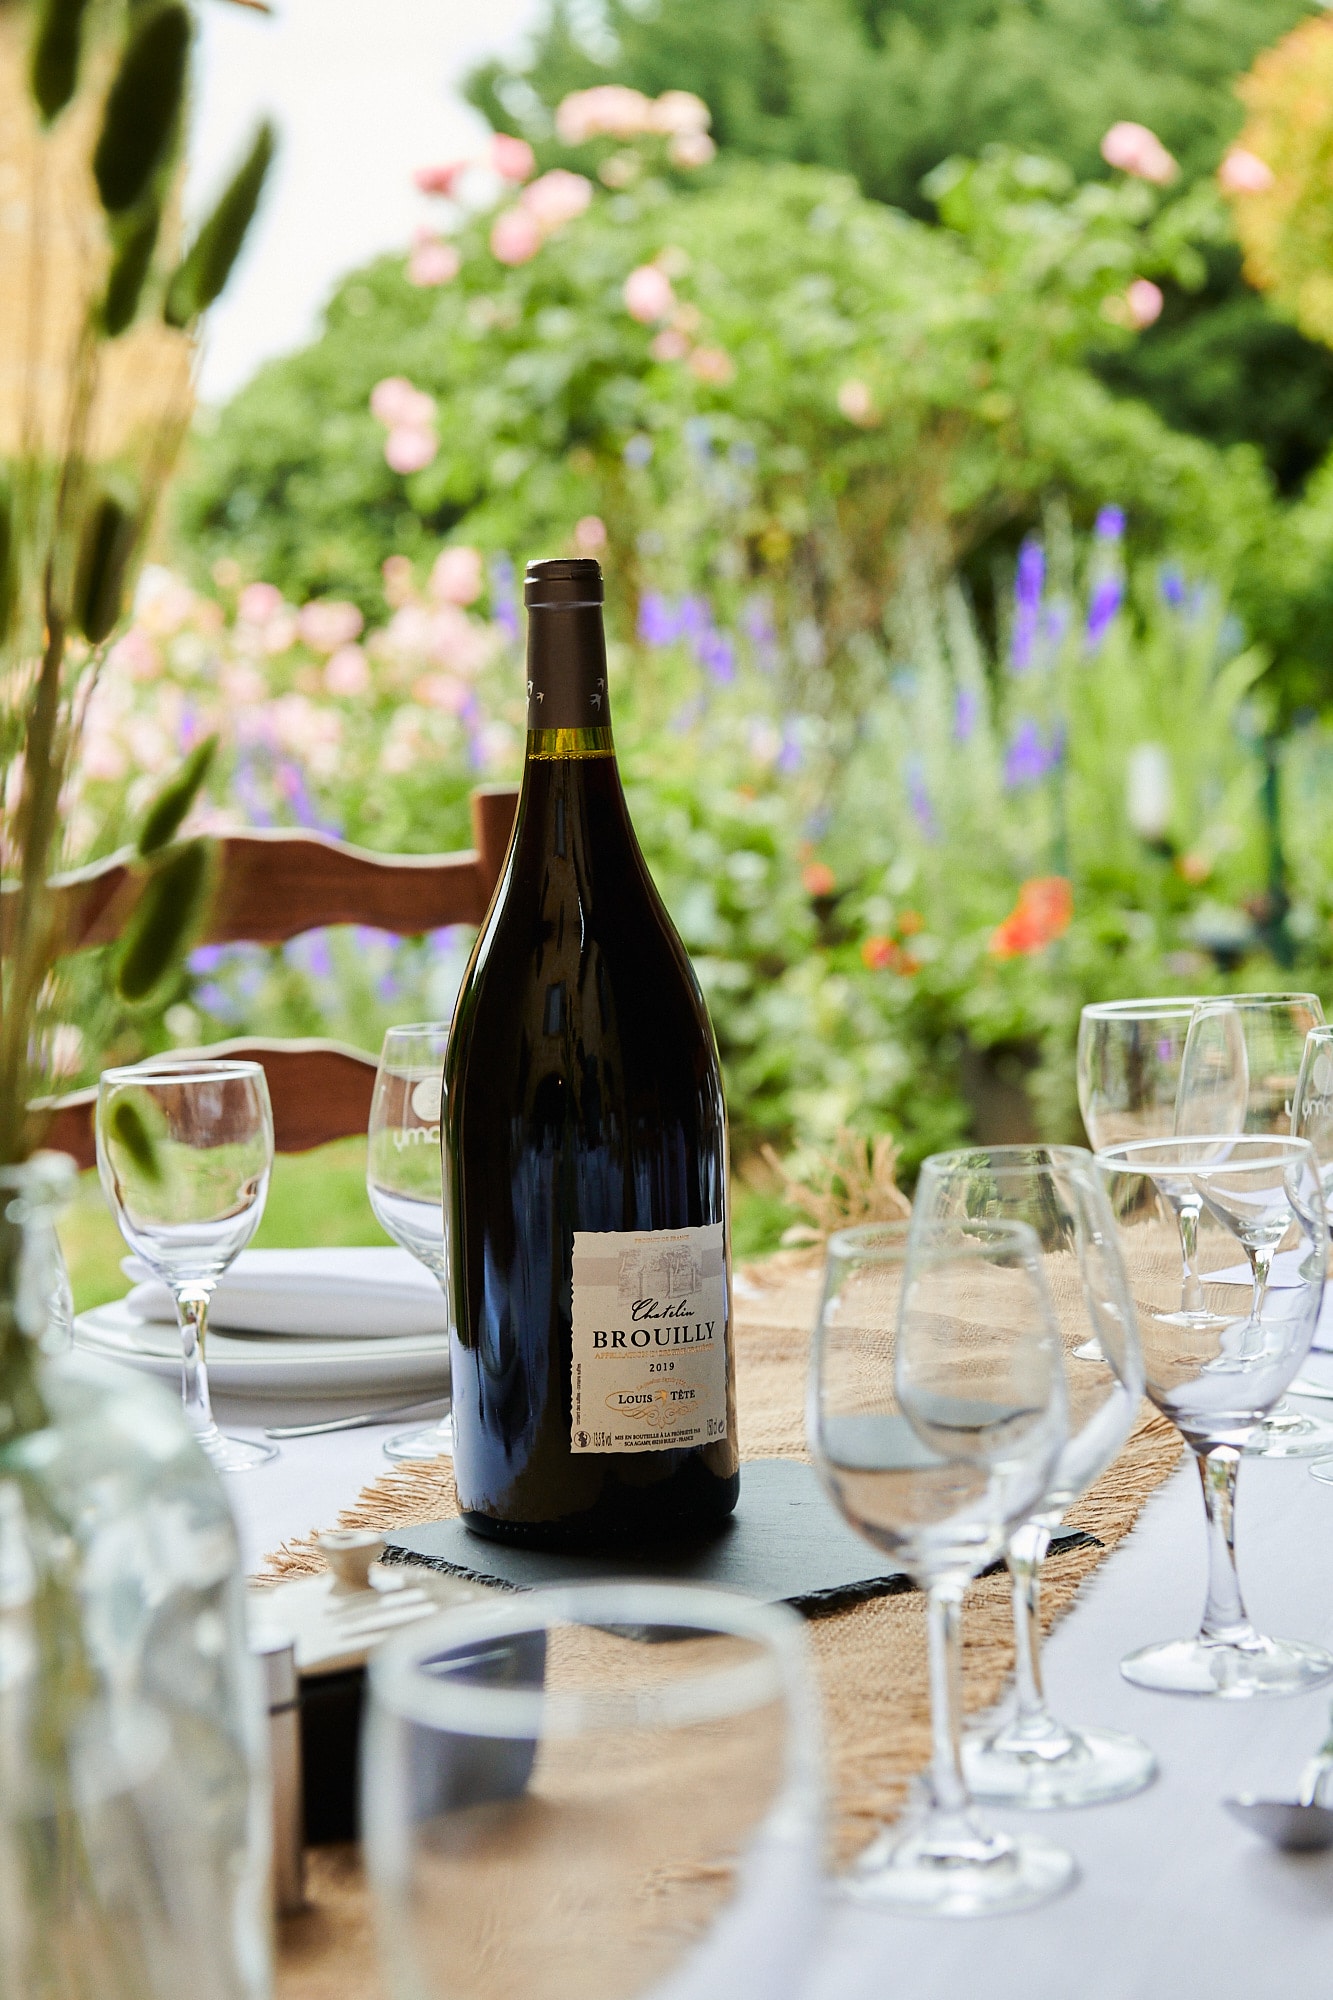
585 1155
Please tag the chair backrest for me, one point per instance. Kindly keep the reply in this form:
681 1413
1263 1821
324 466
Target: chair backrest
271 886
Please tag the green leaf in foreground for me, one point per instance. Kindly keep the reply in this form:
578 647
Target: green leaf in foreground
207 264
143 108
130 1131
166 813
8 560
104 556
56 47
129 268
167 912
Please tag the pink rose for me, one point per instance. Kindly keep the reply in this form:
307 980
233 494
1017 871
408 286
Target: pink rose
515 236
327 623
679 114
609 110
259 602
410 447
348 672
457 576
691 149
1144 300
395 402
433 263
399 584
590 534
648 294
1137 151
442 179
1242 172
512 158
443 691
669 345
856 402
557 198
712 364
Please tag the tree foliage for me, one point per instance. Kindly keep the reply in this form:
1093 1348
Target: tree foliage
886 89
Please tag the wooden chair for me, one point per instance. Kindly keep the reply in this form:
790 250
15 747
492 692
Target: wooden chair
271 886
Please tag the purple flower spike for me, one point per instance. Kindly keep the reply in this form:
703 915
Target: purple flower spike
1107 597
790 757
1110 524
695 618
716 655
1172 585
1028 759
206 958
966 711
1029 582
659 624
918 798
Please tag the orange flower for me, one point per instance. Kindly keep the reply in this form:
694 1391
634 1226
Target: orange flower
885 954
910 922
1042 913
818 879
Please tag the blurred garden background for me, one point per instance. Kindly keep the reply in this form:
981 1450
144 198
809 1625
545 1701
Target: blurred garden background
946 388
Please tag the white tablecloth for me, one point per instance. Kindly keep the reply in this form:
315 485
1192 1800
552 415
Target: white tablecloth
1175 1899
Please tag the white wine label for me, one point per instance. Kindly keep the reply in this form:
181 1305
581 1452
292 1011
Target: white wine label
650 1339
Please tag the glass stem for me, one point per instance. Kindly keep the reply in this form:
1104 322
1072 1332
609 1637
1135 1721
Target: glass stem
1224 1616
1192 1300
1025 1556
192 1315
944 1632
1261 1264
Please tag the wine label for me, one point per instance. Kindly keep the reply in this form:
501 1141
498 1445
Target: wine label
650 1339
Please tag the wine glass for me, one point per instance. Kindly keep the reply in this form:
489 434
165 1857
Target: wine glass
1312 1105
936 1418
1129 1056
1239 1074
1216 1371
1032 1759
404 1181
595 1789
184 1151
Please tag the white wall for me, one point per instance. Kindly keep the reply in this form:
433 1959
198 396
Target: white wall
362 91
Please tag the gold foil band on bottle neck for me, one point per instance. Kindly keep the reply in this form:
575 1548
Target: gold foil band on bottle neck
548 746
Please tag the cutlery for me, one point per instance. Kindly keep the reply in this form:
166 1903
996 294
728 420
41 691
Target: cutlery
361 1421
1299 1825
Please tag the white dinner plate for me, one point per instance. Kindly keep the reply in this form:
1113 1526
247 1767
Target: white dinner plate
255 1364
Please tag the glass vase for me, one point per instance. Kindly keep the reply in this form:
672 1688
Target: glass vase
133 1801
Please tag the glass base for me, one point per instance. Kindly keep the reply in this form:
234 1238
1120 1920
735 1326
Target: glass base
1323 1469
1229 1670
231 1454
1287 1432
1089 1350
1069 1767
985 1875
418 1447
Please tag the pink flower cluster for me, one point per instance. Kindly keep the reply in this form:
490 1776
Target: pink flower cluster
543 208
512 159
408 415
614 111
1243 172
651 299
1136 151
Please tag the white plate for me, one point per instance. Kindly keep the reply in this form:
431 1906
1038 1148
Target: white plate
253 1364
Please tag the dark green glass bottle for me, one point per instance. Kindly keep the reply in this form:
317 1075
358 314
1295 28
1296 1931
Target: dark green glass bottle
585 1155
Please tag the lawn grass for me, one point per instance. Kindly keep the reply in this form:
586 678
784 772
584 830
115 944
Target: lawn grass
320 1198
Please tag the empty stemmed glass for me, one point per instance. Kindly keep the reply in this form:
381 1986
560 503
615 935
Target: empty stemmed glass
1129 1056
403 1181
936 1417
1033 1759
1216 1372
595 1789
1239 1074
1312 1119
185 1150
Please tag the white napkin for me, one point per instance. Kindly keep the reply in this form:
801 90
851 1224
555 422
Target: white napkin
330 1294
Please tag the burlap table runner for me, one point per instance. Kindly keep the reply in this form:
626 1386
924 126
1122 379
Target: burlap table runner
871 1660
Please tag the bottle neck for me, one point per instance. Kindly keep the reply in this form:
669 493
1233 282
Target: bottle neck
569 713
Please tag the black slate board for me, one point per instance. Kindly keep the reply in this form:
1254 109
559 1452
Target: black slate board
786 1543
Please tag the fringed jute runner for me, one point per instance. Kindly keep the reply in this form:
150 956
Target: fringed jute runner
871 1660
